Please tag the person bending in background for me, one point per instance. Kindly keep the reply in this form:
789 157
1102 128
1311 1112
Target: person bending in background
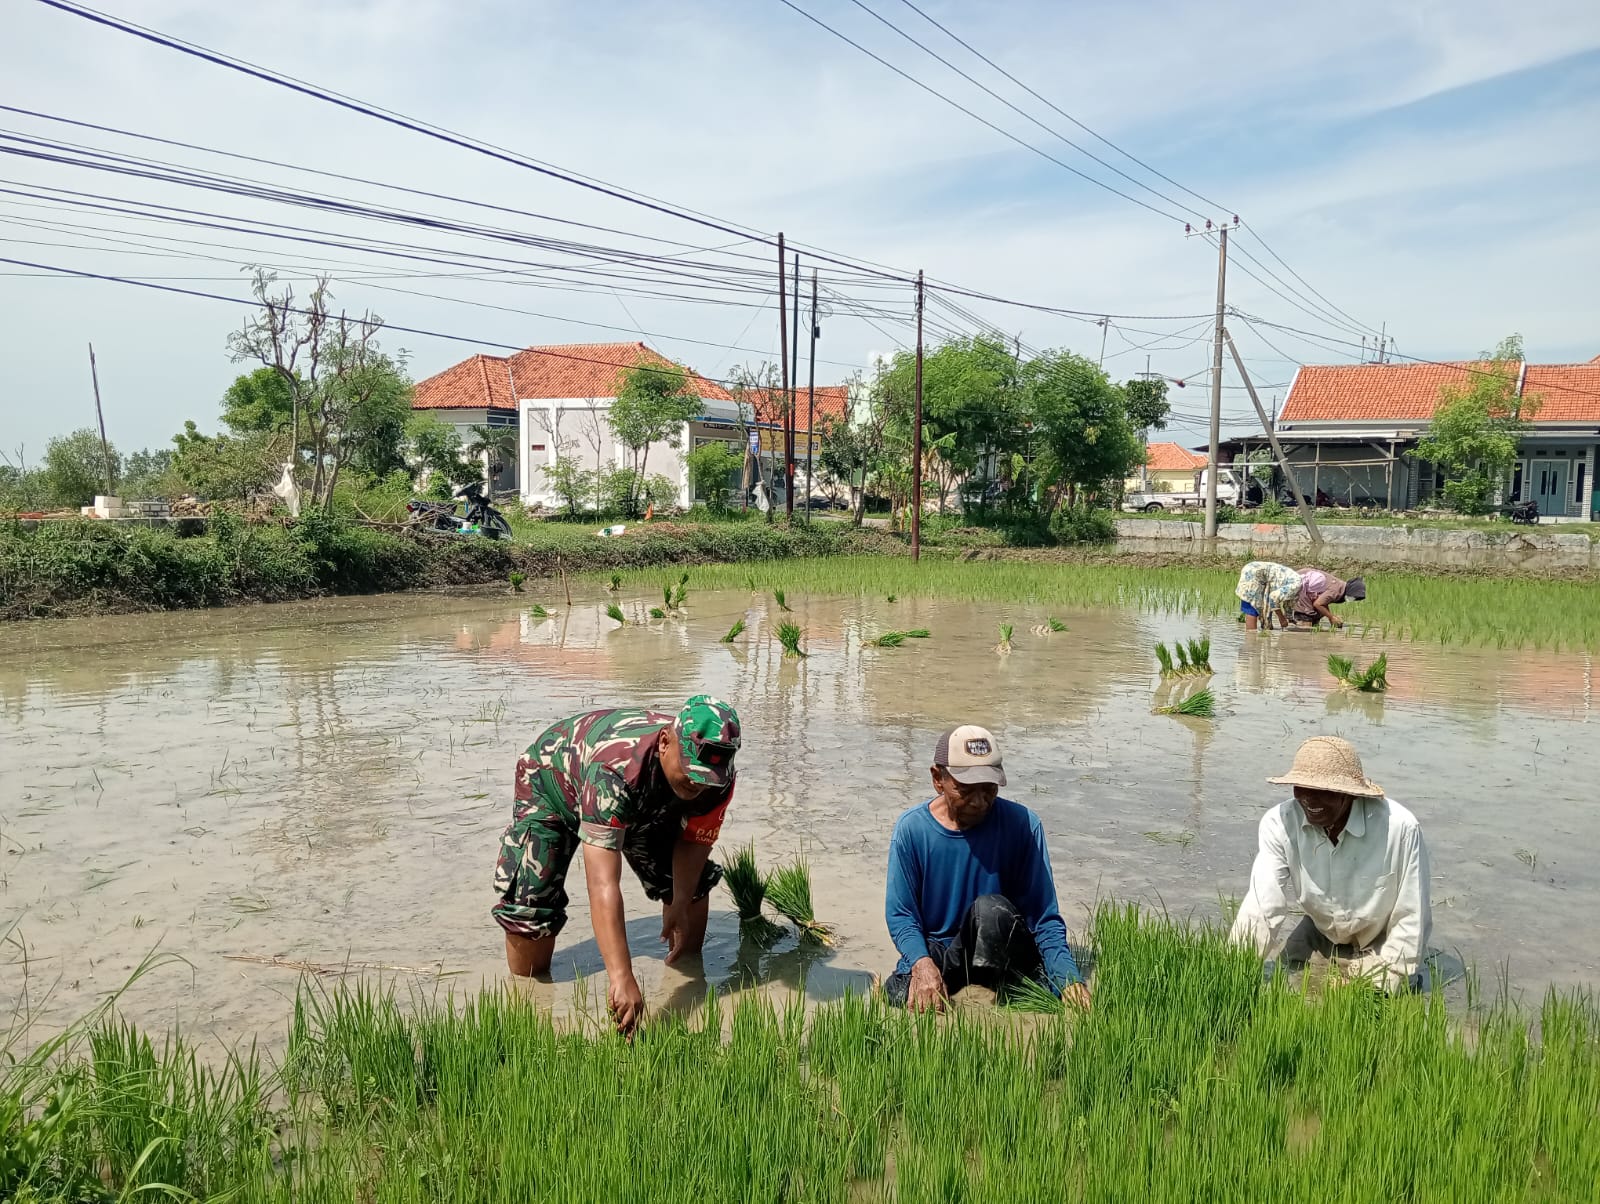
971 898
1320 590
648 786
1266 589
1352 859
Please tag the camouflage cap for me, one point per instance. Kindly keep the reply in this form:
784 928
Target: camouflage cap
708 731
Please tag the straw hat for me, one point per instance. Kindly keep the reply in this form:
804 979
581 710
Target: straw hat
1329 763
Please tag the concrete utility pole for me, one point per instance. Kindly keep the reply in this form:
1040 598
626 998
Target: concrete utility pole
916 442
1216 386
1308 514
105 445
783 345
811 396
790 423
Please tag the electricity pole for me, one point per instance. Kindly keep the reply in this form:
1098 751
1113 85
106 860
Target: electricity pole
105 445
811 395
1308 513
789 422
1216 375
916 442
783 344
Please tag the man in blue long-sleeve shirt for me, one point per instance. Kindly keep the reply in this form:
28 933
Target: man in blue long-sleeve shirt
971 898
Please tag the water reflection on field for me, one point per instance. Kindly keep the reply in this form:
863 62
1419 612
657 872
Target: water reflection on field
325 782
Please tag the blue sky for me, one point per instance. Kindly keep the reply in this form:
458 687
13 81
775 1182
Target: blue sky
1432 166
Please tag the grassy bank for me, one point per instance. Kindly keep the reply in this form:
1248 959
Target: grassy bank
1191 1078
1446 607
71 568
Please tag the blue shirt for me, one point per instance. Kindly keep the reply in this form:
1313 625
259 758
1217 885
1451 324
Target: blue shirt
936 874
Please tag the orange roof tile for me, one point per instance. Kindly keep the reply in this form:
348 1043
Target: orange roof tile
560 371
1409 392
832 402
1170 457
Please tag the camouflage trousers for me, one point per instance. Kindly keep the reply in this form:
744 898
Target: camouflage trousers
536 851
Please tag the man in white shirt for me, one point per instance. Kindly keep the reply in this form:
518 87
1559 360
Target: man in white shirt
1351 859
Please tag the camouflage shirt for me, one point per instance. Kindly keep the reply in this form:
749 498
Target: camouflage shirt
601 772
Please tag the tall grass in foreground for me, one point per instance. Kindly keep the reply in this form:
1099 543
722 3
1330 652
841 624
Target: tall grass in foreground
1191 1078
1498 612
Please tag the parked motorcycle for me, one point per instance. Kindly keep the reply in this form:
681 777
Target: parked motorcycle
481 517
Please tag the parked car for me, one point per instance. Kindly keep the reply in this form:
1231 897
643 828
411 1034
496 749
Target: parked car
1151 501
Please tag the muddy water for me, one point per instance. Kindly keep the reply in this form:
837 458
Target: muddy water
325 783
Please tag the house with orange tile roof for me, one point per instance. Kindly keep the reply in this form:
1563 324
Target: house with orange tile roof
558 398
1168 468
1351 430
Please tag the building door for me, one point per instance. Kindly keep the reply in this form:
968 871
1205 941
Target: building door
1550 485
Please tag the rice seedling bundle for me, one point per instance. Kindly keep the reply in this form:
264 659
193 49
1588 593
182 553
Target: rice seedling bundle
657 613
893 639
748 886
790 635
1164 659
734 632
891 598
1200 654
517 580
1191 1078
1183 657
538 611
680 595
1004 646
614 613
789 892
1374 679
616 583
1202 704
782 603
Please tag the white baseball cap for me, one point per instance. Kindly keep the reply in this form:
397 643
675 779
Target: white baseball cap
971 755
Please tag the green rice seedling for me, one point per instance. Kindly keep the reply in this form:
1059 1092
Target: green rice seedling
1200 655
1004 646
1164 659
748 886
1374 679
657 613
683 577
680 595
614 613
919 633
616 584
538 612
517 580
1202 704
1183 657
666 595
1055 624
1340 666
889 639
789 635
789 892
1031 995
891 598
782 603
734 632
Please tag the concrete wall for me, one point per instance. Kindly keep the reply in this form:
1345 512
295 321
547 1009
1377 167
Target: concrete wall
1284 536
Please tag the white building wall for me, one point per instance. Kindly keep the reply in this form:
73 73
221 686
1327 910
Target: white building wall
575 427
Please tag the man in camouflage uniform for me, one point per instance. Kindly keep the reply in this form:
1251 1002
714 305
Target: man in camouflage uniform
648 786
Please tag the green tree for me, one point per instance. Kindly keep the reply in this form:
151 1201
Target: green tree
21 487
224 467
651 406
145 472
1147 404
74 468
495 446
258 401
434 446
1477 428
572 482
710 465
971 406
348 400
1081 418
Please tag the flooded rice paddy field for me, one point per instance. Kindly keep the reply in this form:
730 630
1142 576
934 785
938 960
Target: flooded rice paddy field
325 783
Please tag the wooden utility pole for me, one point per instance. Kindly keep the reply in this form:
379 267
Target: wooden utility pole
1216 387
1308 514
916 441
811 396
105 444
789 418
783 344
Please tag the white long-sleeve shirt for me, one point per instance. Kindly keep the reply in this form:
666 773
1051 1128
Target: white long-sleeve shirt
1370 890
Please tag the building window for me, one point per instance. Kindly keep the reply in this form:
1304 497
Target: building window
1582 467
1516 483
